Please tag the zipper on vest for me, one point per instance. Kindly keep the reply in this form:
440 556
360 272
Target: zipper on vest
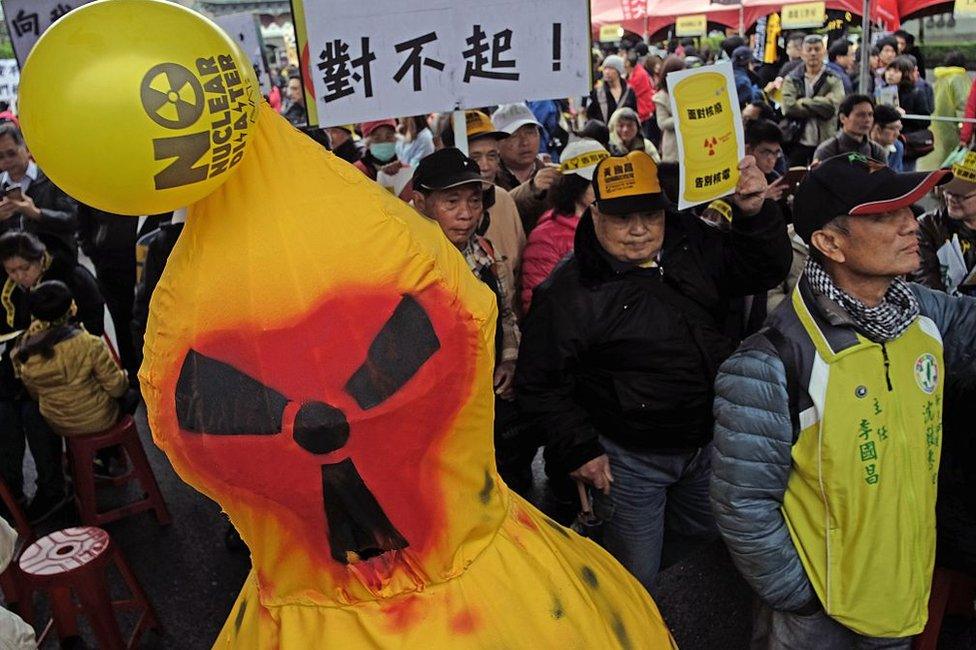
887 365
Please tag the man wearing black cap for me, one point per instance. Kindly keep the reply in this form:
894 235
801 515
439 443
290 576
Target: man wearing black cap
504 225
623 341
448 188
746 86
828 423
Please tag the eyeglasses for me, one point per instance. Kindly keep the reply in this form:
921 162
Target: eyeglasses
492 157
769 153
952 196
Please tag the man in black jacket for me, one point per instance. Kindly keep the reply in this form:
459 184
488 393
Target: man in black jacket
35 204
622 343
110 241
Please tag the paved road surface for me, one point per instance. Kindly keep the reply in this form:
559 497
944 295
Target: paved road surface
193 580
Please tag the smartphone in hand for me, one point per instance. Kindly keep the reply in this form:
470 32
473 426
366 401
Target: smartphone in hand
13 192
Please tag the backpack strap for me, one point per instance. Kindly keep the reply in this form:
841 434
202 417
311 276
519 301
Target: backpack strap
601 97
788 356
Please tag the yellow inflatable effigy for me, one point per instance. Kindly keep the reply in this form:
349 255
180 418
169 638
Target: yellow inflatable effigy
318 361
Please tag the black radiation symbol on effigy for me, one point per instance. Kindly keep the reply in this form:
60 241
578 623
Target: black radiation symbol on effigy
214 398
172 96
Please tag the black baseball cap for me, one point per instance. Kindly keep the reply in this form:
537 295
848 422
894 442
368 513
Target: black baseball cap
444 169
853 184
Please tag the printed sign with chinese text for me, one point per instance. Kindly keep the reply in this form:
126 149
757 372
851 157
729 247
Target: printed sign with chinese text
244 29
372 60
804 14
964 8
708 126
695 25
27 20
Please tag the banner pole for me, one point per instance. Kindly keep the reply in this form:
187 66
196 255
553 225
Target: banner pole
459 123
862 82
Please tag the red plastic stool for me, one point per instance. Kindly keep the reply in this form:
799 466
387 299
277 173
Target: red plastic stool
952 593
82 450
74 561
15 590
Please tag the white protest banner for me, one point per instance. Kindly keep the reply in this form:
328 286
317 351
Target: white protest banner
244 29
9 81
708 126
387 58
27 20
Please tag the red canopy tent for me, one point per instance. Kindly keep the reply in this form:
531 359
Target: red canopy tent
908 9
650 16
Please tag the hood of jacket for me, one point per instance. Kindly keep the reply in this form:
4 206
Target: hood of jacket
948 70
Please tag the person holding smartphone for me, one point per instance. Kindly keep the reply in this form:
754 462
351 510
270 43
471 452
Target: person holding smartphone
31 202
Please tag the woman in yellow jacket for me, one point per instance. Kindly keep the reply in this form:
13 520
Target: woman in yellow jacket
69 371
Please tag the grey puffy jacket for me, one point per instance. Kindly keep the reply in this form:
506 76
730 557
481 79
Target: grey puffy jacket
751 460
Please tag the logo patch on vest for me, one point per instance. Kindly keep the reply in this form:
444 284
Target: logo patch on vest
927 373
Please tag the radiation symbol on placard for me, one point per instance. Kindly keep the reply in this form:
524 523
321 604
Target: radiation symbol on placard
172 96
710 144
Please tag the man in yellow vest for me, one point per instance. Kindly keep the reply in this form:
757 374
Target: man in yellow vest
829 422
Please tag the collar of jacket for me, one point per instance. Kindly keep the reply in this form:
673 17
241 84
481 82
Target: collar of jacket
826 319
801 70
596 265
852 142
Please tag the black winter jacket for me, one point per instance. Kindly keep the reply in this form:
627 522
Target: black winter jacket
631 353
110 239
88 298
159 245
58 223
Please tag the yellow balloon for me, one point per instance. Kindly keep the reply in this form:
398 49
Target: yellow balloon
137 106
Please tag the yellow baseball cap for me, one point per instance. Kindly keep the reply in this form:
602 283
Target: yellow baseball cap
477 124
963 175
625 184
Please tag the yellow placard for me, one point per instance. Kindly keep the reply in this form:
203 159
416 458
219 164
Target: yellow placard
709 132
804 14
696 25
611 33
964 8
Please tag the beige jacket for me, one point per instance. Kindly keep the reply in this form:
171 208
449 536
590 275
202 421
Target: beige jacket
77 387
662 112
507 238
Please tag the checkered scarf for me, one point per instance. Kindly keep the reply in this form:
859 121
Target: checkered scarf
886 322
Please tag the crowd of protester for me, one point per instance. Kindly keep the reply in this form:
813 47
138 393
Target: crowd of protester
615 313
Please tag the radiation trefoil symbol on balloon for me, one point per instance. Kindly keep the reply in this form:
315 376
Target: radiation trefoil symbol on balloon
172 96
214 398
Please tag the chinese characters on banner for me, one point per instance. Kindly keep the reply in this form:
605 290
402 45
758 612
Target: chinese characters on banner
244 29
696 25
366 61
803 15
27 20
964 8
708 127
9 81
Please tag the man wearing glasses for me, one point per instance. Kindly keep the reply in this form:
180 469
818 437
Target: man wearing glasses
948 235
31 201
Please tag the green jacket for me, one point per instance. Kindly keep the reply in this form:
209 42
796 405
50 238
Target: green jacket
951 91
820 109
